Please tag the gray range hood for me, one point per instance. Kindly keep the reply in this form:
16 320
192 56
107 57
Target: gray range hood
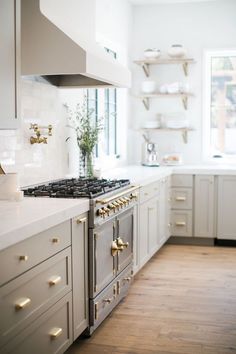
50 53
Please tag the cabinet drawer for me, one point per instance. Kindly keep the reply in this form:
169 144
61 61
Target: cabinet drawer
25 298
149 191
26 254
51 333
182 181
181 198
124 281
102 305
181 222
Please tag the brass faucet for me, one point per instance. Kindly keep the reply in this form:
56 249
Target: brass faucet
38 139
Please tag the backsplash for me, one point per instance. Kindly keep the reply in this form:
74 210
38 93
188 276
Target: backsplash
41 104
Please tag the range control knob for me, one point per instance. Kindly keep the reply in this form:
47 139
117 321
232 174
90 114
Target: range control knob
117 205
107 210
133 196
120 202
127 199
101 212
111 206
123 200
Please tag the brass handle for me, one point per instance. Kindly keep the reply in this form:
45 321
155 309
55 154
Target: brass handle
96 311
127 279
55 332
81 221
54 280
108 301
115 248
101 213
180 199
121 243
107 210
55 240
180 223
118 287
23 258
108 200
21 303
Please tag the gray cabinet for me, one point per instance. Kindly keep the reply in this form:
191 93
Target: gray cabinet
204 206
226 219
80 274
9 63
164 216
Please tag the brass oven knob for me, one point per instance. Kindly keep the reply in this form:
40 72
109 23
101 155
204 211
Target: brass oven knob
101 213
111 206
107 210
133 196
123 200
120 243
117 205
120 202
127 199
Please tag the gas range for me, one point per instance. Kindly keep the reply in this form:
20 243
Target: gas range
76 188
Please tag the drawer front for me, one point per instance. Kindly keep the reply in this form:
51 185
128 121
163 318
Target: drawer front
149 191
102 305
181 198
25 298
181 222
50 334
124 281
182 181
26 254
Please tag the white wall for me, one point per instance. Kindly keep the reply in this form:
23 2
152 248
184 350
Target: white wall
197 26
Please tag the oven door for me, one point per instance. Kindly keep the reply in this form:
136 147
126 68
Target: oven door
102 267
125 236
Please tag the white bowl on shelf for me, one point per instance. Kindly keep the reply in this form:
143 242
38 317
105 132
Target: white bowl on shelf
151 124
149 86
176 51
152 53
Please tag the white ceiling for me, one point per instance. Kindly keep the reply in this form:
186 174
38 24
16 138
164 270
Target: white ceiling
146 2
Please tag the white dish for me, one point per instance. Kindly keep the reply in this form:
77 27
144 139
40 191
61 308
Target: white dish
149 86
152 53
151 124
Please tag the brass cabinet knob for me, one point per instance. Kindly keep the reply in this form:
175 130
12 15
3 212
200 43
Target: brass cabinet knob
127 279
22 303
121 243
81 220
115 248
55 240
107 300
23 258
54 280
55 332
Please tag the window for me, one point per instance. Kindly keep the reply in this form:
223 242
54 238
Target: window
103 102
220 137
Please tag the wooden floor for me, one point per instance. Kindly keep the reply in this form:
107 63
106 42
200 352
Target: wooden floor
183 301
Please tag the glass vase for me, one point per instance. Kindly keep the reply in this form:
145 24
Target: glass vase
86 165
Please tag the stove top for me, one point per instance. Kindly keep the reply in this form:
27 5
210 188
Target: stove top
76 188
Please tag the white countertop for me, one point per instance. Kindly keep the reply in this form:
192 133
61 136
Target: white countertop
20 220
144 175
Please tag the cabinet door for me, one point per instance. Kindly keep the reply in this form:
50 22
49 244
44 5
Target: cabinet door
143 234
164 210
80 274
125 224
226 228
153 226
9 62
204 206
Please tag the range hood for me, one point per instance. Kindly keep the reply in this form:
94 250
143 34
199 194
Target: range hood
47 51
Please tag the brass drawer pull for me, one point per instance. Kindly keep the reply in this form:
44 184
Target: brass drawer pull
55 240
55 332
180 199
108 301
23 258
22 303
127 279
96 311
81 221
118 287
54 280
180 223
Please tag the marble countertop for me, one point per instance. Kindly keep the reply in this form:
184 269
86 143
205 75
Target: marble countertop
20 220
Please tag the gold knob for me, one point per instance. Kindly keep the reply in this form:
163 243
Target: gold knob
107 210
55 240
117 205
21 303
120 243
55 332
133 196
107 300
127 279
101 213
111 206
120 202
23 258
81 220
54 280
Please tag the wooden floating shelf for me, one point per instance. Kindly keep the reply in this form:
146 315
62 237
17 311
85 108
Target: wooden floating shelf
147 62
184 131
146 98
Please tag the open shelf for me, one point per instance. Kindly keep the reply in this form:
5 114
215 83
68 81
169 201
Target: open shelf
184 131
145 64
146 98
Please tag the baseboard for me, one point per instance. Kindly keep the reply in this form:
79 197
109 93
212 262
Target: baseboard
196 241
225 243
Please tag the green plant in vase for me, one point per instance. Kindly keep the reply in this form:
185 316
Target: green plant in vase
87 134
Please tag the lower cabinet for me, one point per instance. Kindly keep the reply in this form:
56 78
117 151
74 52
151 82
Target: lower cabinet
226 219
204 206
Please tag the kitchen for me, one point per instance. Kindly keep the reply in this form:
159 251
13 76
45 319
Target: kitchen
192 199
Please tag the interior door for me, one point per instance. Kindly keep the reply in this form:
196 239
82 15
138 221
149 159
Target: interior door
125 233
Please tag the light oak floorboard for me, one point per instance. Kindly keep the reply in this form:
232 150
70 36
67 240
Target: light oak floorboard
182 302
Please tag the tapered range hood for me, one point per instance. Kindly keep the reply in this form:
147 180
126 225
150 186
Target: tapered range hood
47 51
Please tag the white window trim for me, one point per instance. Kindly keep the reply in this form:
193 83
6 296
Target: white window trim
206 100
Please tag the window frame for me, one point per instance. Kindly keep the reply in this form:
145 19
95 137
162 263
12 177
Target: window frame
206 125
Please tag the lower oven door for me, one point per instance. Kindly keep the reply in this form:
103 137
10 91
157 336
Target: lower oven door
125 236
102 265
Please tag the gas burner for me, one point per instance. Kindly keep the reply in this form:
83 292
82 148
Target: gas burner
76 188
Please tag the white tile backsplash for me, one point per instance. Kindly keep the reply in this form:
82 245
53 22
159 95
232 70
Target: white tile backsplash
41 104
